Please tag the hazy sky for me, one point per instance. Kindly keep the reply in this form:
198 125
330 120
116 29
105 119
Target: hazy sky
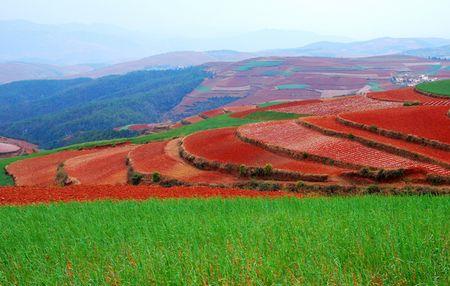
358 19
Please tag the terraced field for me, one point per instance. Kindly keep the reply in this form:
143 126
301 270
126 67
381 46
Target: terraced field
336 106
222 145
163 157
430 122
294 138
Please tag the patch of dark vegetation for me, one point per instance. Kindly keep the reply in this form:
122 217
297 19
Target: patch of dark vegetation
48 112
61 179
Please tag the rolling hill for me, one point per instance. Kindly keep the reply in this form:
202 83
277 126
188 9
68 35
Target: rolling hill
53 113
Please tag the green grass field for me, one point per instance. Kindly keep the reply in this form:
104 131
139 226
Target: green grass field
336 241
291 86
270 103
220 121
257 64
441 87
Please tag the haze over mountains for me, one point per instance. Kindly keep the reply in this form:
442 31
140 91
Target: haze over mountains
78 50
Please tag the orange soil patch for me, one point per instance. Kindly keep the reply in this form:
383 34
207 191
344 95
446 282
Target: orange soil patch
338 105
8 148
330 122
104 167
163 157
294 137
36 195
407 94
41 171
27 147
222 145
429 122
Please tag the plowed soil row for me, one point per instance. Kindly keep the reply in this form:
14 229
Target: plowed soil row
222 145
106 166
163 157
337 105
41 171
35 195
330 122
402 95
288 135
243 114
430 122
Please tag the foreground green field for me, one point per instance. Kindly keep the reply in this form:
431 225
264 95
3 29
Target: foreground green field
441 87
338 241
220 121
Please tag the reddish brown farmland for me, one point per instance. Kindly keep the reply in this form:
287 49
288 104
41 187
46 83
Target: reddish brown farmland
163 157
337 105
106 166
291 136
429 122
35 195
406 94
222 145
41 171
330 123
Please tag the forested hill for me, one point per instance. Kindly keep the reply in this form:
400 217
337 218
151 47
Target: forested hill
52 112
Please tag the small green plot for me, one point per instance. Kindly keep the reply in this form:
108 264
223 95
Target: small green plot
203 88
375 86
441 87
291 86
257 64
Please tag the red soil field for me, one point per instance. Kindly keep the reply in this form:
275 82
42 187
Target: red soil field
407 94
223 146
244 113
41 171
292 136
330 122
338 105
39 195
429 122
163 157
104 167
8 148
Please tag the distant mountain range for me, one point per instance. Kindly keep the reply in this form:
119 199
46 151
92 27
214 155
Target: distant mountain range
72 44
439 52
34 51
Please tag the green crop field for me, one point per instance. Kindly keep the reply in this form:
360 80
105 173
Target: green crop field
257 64
270 103
291 86
272 115
203 88
220 121
372 240
441 87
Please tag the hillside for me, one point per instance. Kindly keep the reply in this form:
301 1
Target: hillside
259 80
375 47
52 112
442 52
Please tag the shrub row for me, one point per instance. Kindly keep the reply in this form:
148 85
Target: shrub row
266 172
